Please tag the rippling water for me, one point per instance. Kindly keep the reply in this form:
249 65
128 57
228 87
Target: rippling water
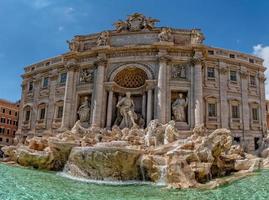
25 184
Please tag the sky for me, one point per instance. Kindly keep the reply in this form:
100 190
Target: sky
33 30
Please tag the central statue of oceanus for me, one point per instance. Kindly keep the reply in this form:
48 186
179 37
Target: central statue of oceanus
126 108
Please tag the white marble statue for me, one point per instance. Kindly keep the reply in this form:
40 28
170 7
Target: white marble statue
165 35
178 108
84 111
170 132
103 39
126 108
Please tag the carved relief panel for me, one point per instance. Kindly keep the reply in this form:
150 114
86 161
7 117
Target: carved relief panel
179 71
86 75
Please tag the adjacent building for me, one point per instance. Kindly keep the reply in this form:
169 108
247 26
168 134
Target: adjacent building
170 73
9 115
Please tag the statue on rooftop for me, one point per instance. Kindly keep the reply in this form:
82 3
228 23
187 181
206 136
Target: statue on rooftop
165 35
103 39
136 22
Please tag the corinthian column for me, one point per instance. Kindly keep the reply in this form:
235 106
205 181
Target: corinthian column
198 89
68 95
162 88
109 110
98 93
224 108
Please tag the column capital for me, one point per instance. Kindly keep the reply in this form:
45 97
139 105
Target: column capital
261 76
100 61
223 68
197 58
164 58
71 64
243 73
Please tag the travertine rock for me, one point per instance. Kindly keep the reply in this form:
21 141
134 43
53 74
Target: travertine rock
105 163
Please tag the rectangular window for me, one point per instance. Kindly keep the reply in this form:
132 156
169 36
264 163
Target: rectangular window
4 110
10 112
252 80
212 110
235 111
31 86
27 115
1 139
60 112
16 114
42 113
255 115
232 56
63 77
233 76
210 72
45 82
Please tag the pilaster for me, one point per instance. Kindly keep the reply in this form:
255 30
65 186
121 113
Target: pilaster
98 91
224 108
68 100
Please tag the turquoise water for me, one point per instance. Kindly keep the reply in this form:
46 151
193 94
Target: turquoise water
25 184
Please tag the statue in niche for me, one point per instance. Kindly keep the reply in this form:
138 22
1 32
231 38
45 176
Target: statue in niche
73 45
86 76
126 108
165 35
178 108
103 39
84 111
178 71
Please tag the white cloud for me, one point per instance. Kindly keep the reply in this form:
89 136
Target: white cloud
263 52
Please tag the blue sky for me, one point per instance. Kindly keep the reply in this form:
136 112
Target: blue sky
32 30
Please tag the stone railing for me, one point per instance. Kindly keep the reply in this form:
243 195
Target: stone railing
45 63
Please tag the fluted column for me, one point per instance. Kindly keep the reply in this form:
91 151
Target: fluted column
34 114
261 84
144 100
98 93
198 90
224 108
244 92
68 96
51 107
162 89
149 106
109 110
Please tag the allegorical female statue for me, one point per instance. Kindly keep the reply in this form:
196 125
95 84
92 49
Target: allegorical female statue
178 108
126 108
84 111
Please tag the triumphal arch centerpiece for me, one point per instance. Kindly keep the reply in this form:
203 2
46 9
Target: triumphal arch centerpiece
138 72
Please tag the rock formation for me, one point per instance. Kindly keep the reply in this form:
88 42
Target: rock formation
153 154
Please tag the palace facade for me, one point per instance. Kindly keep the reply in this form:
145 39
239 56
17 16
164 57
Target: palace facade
9 116
169 74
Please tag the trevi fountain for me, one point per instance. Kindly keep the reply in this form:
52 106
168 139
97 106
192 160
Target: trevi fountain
139 133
